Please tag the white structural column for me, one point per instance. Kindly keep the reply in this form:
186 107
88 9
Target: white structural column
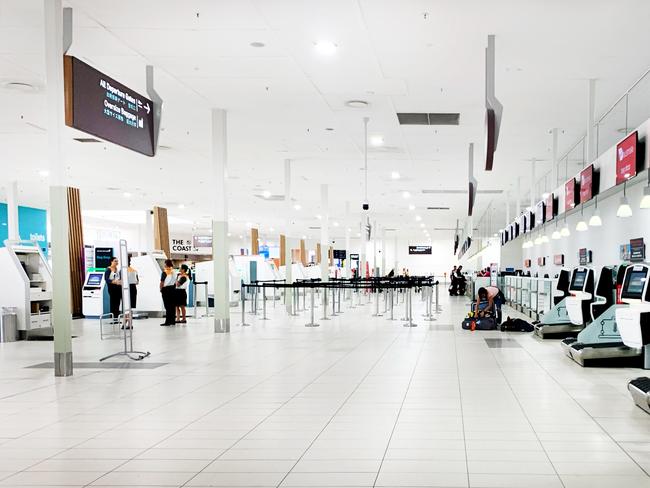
61 311
363 246
395 258
532 184
324 234
507 209
221 275
375 249
382 271
590 152
288 296
12 211
348 261
148 229
518 203
554 168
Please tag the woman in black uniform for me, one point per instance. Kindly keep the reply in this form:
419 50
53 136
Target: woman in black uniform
168 290
114 284
182 284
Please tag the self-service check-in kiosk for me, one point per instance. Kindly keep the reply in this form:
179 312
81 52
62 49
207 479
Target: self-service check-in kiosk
634 326
92 294
556 322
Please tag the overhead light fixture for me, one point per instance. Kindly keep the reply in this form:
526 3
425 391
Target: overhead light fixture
418 218
595 220
556 233
422 224
126 194
326 48
229 234
241 237
406 194
356 104
181 206
266 194
582 226
565 232
304 237
319 217
624 210
335 224
358 234
538 240
395 175
545 195
645 201
376 140
544 239
271 229
249 224
297 206
349 229
43 173
257 44
411 207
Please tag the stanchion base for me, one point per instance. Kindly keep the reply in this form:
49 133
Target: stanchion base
391 319
377 315
325 318
139 355
265 318
430 319
245 325
312 325
410 325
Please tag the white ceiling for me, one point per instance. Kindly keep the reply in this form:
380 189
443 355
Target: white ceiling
281 98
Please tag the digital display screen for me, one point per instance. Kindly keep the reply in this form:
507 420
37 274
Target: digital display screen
550 207
626 157
558 259
587 184
540 213
339 254
634 284
570 194
579 278
202 241
94 279
101 106
354 257
103 257
419 249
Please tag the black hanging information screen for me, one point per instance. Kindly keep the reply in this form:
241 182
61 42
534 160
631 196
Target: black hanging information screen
101 106
419 249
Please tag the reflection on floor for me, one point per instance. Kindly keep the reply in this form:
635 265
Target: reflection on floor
359 401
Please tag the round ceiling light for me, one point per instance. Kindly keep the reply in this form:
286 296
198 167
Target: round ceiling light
257 44
20 86
357 104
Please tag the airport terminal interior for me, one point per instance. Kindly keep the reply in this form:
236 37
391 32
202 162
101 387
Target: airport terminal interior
324 243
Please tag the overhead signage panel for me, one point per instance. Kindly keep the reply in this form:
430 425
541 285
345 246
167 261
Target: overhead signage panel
419 249
99 105
626 158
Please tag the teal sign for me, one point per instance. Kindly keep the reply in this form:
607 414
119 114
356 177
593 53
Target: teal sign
32 225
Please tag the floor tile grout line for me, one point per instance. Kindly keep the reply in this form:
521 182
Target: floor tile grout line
365 338
462 412
341 406
399 412
541 366
202 416
523 410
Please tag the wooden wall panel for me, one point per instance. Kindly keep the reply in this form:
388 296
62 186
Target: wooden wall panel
330 253
75 250
161 230
303 253
283 245
318 253
255 241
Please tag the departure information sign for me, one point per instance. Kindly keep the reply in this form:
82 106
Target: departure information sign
99 105
419 249
626 158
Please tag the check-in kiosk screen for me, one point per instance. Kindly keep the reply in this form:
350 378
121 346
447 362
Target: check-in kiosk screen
94 279
579 278
634 284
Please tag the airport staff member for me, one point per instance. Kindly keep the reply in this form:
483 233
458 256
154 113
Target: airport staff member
134 281
114 285
168 290
182 284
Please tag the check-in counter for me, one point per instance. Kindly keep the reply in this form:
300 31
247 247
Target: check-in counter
530 296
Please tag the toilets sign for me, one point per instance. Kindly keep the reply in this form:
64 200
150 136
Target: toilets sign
99 105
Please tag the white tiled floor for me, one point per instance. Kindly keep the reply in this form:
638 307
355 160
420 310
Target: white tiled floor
357 402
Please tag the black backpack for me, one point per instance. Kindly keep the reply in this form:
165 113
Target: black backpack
516 325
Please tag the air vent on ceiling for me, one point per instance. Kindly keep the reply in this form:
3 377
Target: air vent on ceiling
437 208
272 198
461 192
86 139
428 119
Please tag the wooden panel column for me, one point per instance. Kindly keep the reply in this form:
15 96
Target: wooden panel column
331 255
318 252
255 241
161 230
75 250
303 253
283 245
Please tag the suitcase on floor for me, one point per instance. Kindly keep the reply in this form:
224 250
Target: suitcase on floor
485 323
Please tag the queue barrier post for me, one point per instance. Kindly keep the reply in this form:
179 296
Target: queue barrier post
311 321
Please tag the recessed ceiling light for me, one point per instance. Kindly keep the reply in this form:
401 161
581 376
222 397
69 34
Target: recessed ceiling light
181 206
422 225
376 140
318 216
395 175
249 224
358 234
411 207
304 237
329 128
335 224
241 237
326 48
257 44
126 194
266 194
21 86
406 194
271 229
229 234
297 206
43 173
356 104
418 218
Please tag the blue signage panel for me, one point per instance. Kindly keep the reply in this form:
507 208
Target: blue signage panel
32 225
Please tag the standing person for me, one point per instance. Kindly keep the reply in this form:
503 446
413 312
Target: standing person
494 297
182 284
114 284
134 281
453 288
168 290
